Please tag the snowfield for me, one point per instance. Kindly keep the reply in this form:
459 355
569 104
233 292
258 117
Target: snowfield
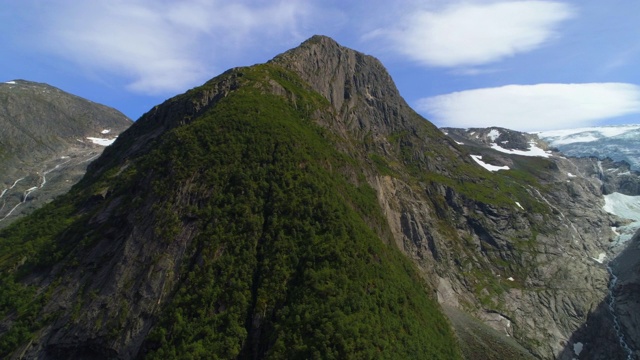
477 159
534 150
101 141
493 134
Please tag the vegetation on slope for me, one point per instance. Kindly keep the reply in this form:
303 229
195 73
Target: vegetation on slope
285 263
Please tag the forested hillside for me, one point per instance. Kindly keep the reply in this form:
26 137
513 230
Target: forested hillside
242 233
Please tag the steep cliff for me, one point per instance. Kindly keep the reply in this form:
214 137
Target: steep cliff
588 202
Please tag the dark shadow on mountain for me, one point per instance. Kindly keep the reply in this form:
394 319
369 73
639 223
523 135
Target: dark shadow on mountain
597 338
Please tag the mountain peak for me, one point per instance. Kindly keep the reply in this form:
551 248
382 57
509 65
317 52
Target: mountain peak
315 39
329 68
357 85
26 82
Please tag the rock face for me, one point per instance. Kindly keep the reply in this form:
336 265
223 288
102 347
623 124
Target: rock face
259 216
625 296
47 138
597 338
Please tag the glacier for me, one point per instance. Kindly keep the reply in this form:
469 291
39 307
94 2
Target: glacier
618 142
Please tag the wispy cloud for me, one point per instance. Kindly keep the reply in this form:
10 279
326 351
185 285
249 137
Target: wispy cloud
533 107
164 46
626 57
468 34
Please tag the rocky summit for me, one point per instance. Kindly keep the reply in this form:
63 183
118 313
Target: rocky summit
47 139
301 209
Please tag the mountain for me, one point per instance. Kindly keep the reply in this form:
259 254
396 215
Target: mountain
617 150
616 191
618 181
47 138
300 208
224 223
617 165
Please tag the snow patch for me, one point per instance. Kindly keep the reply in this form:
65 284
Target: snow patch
10 82
105 131
101 141
520 206
600 258
511 278
489 167
577 348
534 150
571 175
493 134
459 143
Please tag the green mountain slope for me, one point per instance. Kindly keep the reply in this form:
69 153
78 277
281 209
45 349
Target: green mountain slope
225 228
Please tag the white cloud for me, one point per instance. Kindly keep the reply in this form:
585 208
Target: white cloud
164 46
468 34
533 107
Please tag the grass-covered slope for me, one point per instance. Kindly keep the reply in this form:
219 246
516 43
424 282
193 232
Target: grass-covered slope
284 257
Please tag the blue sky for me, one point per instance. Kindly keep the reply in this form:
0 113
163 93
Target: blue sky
525 65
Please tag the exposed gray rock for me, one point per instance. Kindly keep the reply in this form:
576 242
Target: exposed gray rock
626 293
565 283
44 145
536 268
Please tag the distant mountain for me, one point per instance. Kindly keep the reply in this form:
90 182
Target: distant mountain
47 138
619 184
618 150
617 191
619 143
